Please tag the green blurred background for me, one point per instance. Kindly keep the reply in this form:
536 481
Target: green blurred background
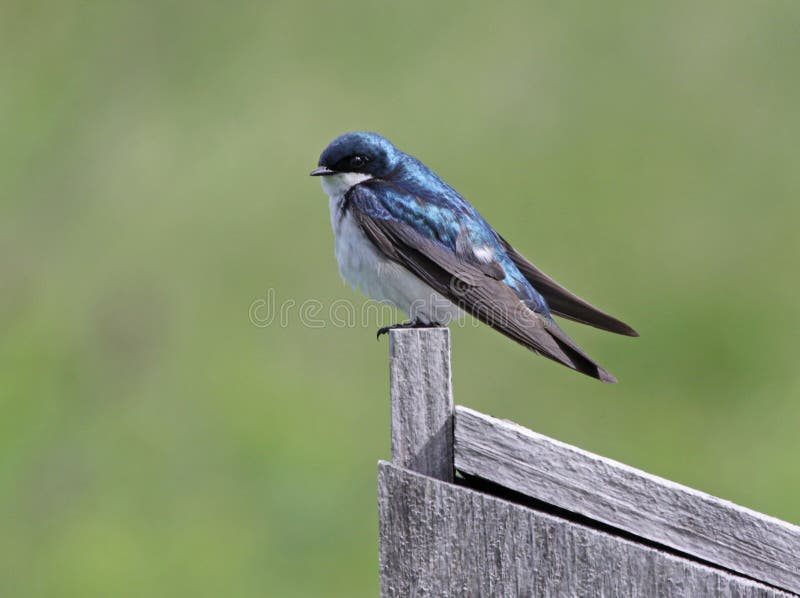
153 186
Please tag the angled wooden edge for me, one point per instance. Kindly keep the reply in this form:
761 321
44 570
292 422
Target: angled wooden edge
441 539
692 522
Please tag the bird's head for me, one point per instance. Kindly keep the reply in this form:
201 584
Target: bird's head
354 158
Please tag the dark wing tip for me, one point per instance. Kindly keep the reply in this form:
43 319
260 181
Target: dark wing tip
605 376
626 330
594 318
562 302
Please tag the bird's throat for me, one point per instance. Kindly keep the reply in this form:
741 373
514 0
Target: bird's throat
336 185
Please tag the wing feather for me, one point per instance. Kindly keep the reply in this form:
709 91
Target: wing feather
475 290
563 302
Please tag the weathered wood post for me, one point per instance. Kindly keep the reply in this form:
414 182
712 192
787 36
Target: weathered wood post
422 401
530 516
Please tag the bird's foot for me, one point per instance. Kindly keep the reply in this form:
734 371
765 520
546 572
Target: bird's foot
411 324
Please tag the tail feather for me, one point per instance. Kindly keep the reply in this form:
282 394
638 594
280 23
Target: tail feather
576 358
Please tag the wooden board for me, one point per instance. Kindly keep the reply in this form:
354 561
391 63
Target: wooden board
422 401
438 539
689 521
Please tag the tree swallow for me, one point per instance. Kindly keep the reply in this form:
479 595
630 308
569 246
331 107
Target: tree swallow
405 237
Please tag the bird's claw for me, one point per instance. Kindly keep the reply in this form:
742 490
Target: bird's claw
386 329
412 324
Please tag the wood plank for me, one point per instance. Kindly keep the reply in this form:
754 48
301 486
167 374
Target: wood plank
422 401
692 522
439 539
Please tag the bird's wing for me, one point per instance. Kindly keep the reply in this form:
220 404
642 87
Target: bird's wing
466 284
563 302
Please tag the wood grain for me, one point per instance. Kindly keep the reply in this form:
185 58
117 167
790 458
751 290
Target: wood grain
438 539
689 521
422 401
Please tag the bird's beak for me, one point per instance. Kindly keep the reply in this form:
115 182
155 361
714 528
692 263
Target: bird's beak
322 171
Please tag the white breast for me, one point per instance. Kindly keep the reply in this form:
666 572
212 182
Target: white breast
364 268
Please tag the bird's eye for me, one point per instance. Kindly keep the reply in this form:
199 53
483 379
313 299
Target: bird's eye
357 161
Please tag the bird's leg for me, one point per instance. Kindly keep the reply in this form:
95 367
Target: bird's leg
409 324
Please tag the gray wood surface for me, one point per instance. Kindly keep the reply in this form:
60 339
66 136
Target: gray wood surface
695 523
422 401
438 539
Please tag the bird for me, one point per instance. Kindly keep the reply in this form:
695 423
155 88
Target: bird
403 236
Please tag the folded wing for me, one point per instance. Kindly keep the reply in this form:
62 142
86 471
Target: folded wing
563 302
470 287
